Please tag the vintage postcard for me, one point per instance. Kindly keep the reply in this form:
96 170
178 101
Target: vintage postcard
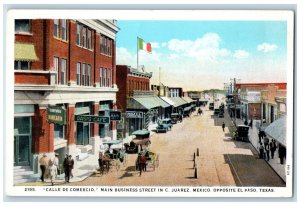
182 103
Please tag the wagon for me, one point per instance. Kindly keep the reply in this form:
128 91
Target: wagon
152 159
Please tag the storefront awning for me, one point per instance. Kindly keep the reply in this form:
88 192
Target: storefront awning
169 101
147 102
277 130
188 100
178 101
162 102
25 52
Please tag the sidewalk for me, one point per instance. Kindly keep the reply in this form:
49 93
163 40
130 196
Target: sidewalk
253 138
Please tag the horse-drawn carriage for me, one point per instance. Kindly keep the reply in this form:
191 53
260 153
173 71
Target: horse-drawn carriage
112 157
141 140
147 159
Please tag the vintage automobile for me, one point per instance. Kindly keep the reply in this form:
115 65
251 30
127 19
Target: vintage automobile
162 128
168 122
221 115
241 133
216 112
175 117
211 106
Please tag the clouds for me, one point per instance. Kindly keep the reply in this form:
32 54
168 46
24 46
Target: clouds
266 47
241 54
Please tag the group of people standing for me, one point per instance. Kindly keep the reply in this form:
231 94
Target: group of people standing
50 167
266 147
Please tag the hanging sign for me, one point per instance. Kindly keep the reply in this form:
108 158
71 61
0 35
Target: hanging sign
56 115
92 119
115 115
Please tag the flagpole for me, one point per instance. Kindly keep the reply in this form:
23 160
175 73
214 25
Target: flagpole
137 53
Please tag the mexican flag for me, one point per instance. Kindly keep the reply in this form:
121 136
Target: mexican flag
143 45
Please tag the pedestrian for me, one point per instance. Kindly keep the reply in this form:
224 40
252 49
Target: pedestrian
267 150
66 168
52 171
223 127
261 151
273 147
245 122
266 141
43 166
56 163
70 163
250 123
281 153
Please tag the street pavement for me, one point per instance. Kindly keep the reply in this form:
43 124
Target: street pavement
221 161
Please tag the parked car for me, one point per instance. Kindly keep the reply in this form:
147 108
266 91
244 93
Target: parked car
216 112
162 128
221 115
241 133
175 117
211 106
168 122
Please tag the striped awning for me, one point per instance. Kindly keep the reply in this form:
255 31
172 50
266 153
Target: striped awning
25 52
178 101
277 130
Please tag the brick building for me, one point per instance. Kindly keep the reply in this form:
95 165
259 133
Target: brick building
63 68
140 106
250 96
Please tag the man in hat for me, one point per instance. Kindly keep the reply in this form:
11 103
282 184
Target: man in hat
69 166
43 165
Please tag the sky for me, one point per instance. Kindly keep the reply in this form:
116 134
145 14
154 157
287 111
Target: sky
198 55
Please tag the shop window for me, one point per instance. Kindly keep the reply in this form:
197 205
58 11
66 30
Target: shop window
59 131
22 65
22 26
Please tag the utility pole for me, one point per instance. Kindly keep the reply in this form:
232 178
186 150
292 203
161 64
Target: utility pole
235 97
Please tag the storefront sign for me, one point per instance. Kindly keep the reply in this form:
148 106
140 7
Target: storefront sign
56 115
92 118
133 114
115 115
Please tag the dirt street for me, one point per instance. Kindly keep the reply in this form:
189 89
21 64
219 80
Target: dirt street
221 161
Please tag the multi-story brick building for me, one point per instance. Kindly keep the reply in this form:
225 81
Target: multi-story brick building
63 68
140 106
250 95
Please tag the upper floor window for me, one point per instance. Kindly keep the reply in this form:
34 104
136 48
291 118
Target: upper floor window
89 74
84 36
78 34
22 26
55 62
105 45
83 74
63 71
78 73
104 77
22 65
64 29
56 28
101 77
108 77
